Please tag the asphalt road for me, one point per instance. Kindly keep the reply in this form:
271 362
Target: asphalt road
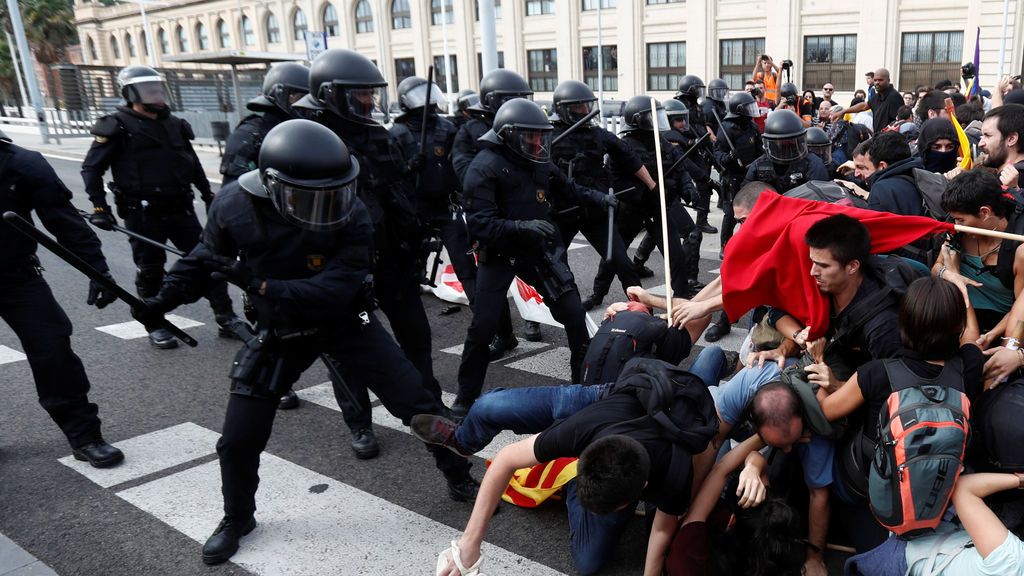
321 510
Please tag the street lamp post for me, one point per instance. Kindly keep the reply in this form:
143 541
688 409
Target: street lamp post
18 28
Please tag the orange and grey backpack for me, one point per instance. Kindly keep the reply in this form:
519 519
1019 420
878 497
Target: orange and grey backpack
923 432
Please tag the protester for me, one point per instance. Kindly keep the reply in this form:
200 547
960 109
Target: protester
1002 141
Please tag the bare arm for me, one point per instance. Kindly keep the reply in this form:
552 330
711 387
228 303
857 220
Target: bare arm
841 402
662 532
645 177
985 529
853 109
713 485
817 524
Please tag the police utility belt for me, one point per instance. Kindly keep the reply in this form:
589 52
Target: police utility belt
21 267
166 200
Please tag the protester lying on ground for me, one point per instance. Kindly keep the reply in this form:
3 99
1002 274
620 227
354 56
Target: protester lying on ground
762 535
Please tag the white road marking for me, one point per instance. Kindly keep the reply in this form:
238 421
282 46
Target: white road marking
323 394
524 347
132 330
149 453
8 355
553 363
313 525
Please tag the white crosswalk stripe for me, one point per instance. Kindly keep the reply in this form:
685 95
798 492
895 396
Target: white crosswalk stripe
8 355
309 524
131 330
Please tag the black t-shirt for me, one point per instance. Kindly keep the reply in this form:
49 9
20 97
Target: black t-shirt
875 387
884 106
569 437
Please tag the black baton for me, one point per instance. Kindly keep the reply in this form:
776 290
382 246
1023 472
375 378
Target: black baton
582 121
26 228
137 236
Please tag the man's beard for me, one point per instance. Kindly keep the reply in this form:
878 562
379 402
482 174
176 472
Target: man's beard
996 159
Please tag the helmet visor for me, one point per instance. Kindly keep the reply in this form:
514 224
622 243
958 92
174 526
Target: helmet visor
785 150
822 151
285 96
153 93
749 110
362 102
573 112
417 97
499 98
324 207
719 94
530 143
468 100
644 122
679 120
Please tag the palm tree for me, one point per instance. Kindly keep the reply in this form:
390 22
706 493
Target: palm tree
49 28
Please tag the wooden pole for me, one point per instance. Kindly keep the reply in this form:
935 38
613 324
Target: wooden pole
664 212
987 232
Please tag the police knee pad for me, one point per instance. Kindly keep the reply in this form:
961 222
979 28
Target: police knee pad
147 281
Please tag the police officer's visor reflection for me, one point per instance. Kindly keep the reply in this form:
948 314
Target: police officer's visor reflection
362 100
152 92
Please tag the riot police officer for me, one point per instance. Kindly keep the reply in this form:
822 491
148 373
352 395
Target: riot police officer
154 167
819 144
714 107
295 236
785 163
283 85
511 189
581 155
345 88
28 183
496 87
699 164
738 146
462 114
432 177
641 210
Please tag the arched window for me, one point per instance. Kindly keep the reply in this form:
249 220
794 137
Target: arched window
248 35
115 50
92 49
401 17
165 44
202 37
273 28
435 12
330 20
299 25
223 34
364 17
129 44
182 40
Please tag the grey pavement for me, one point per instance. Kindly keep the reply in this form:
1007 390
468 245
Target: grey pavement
15 561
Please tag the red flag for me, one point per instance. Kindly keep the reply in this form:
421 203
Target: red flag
768 262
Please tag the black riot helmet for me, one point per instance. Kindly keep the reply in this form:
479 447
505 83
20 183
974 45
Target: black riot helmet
522 127
413 93
691 87
788 93
347 83
283 85
573 100
742 104
498 87
785 137
144 85
718 90
467 98
307 173
677 112
818 143
636 115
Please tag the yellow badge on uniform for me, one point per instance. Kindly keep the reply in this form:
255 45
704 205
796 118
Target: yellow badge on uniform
541 196
315 262
439 151
102 139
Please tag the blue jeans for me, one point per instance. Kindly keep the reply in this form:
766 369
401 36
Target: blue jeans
710 365
522 410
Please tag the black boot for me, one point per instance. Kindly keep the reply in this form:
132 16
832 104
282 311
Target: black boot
533 331
229 325
364 444
162 339
223 543
289 401
497 348
718 328
98 454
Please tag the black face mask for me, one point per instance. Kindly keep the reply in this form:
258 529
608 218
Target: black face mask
940 162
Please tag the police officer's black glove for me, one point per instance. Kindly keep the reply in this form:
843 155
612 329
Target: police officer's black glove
99 295
233 271
102 218
151 313
417 162
536 229
609 201
207 199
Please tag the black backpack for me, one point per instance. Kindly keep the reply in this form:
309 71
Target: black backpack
828 192
677 406
998 444
617 341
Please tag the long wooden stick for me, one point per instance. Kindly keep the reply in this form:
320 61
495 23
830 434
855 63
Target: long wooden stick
987 232
664 212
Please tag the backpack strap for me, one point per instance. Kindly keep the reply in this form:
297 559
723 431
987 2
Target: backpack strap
902 377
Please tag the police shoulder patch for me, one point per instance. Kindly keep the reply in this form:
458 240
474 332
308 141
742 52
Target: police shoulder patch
315 262
439 151
541 196
101 139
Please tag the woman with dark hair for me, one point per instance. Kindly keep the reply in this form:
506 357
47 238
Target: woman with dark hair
766 537
989 271
808 105
935 327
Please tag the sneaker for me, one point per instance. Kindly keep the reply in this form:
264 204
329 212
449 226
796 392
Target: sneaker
499 346
533 331
162 339
463 489
438 431
364 444
223 543
289 401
